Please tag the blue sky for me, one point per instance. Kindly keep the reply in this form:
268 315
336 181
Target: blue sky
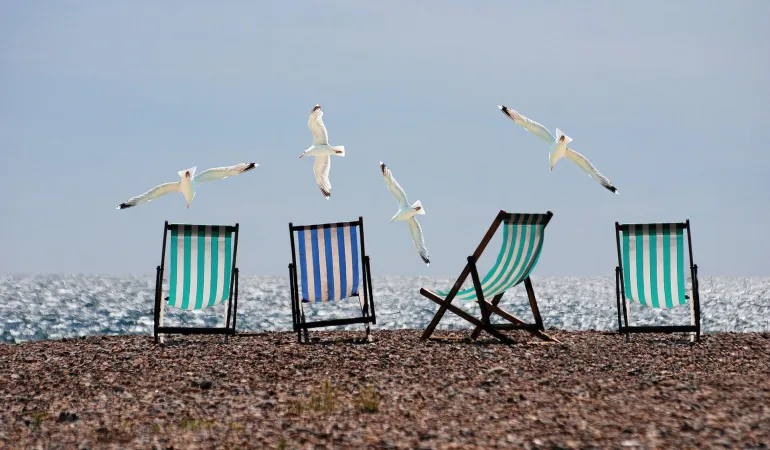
101 100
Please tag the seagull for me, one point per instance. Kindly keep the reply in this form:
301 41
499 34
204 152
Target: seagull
321 150
558 147
188 183
406 211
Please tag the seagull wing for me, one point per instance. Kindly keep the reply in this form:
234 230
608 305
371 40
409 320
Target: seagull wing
218 173
152 194
528 124
393 186
419 241
316 124
321 168
588 168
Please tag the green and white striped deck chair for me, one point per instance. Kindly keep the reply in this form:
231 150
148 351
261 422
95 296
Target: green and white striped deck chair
651 273
522 242
202 274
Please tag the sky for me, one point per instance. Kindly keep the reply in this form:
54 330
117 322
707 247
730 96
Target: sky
102 100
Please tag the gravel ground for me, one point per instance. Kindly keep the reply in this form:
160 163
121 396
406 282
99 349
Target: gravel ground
592 390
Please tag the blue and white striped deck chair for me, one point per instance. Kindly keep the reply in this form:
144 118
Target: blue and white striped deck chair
520 248
202 274
329 263
651 273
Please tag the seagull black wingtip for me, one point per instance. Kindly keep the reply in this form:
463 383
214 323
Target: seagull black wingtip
124 206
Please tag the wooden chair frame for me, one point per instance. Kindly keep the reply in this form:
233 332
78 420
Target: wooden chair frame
232 301
487 308
368 316
622 302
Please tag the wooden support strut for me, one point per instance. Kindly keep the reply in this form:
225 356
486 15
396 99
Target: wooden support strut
446 303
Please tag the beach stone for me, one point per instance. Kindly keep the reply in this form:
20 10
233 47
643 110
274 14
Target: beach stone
204 385
66 417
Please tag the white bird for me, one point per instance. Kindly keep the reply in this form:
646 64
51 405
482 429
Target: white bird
406 212
321 150
188 183
558 146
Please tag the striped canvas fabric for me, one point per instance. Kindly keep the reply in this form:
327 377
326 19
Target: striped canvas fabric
520 250
328 259
200 262
653 264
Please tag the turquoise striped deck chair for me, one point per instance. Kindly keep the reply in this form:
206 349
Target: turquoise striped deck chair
651 273
520 249
329 264
202 274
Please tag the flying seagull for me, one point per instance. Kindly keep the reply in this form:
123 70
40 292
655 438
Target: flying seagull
558 145
188 183
321 150
406 211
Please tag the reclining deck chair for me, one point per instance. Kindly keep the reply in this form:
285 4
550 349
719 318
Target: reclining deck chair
519 252
651 273
329 258
202 274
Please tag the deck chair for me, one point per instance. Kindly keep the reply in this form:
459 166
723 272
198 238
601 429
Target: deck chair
202 274
325 268
651 273
519 252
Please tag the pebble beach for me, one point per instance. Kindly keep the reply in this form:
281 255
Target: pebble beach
590 390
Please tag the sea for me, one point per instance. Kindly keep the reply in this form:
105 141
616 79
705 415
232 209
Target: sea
38 307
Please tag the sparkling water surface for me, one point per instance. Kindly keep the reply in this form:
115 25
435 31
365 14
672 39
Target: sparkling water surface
38 307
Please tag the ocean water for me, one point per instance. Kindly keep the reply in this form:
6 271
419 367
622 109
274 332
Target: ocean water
57 306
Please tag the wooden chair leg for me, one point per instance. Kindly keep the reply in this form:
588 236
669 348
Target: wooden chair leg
474 321
627 318
513 319
533 303
495 300
301 330
445 304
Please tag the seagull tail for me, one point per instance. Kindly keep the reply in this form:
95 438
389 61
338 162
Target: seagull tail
417 206
339 150
191 170
559 135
